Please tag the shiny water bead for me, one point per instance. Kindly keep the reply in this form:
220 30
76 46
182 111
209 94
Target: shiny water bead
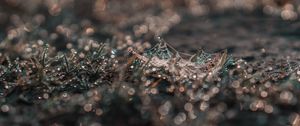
165 108
194 76
263 94
181 89
154 91
159 75
5 108
188 107
205 97
215 90
153 69
88 107
45 95
298 72
180 118
269 109
235 84
192 115
65 95
286 97
99 112
131 91
58 69
203 106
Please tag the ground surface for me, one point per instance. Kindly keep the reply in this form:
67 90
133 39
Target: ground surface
55 71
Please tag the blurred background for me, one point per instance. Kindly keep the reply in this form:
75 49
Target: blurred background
210 24
253 30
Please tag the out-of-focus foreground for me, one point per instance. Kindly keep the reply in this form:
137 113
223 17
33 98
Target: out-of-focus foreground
149 62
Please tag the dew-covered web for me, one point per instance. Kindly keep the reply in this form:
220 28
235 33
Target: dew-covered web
201 57
160 50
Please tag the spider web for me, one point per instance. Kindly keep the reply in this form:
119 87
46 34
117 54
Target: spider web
160 50
201 57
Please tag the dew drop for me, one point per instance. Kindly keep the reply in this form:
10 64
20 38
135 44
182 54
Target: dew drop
180 118
165 108
5 108
188 107
99 112
45 96
298 72
194 76
159 76
153 69
131 91
87 107
203 106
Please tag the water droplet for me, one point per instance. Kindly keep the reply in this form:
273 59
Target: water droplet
264 94
269 109
81 55
192 115
235 84
206 97
215 90
65 95
194 76
165 108
5 108
99 112
270 68
45 95
181 89
87 107
298 72
203 106
180 118
87 48
154 91
154 69
188 107
159 75
131 91
113 51
286 97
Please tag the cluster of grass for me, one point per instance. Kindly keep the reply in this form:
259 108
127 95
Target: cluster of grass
100 85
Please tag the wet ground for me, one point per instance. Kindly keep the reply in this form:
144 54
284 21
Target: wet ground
55 71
